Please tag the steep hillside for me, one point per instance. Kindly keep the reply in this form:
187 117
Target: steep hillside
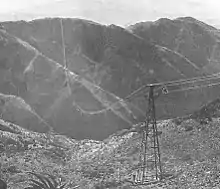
197 41
41 83
14 109
106 55
105 63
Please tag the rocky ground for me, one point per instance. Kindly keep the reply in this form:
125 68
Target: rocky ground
190 155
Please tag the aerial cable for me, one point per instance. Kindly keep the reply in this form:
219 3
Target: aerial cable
195 87
182 81
164 90
163 87
193 81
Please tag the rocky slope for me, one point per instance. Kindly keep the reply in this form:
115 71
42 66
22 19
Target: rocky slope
197 41
104 65
189 156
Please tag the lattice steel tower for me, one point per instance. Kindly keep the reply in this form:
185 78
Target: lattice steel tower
149 169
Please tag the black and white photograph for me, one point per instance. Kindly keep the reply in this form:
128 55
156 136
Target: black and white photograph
109 94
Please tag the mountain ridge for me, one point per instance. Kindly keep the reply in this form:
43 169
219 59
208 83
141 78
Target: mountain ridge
197 36
38 53
97 62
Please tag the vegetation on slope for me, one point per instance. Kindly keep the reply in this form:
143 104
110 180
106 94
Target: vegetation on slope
190 153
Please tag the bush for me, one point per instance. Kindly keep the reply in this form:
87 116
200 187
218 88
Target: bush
177 121
3 184
188 128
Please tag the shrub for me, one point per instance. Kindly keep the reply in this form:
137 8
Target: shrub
44 182
188 128
3 184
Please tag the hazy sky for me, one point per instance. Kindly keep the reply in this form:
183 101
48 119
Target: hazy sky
121 12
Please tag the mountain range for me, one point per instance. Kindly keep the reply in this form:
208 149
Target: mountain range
73 76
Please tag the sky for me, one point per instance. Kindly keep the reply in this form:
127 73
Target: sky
119 12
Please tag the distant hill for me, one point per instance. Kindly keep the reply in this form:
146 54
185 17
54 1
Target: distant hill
197 41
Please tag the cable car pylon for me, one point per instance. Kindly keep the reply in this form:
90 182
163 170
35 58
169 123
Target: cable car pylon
150 169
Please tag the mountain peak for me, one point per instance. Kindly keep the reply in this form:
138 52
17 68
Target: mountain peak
176 21
162 20
187 18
